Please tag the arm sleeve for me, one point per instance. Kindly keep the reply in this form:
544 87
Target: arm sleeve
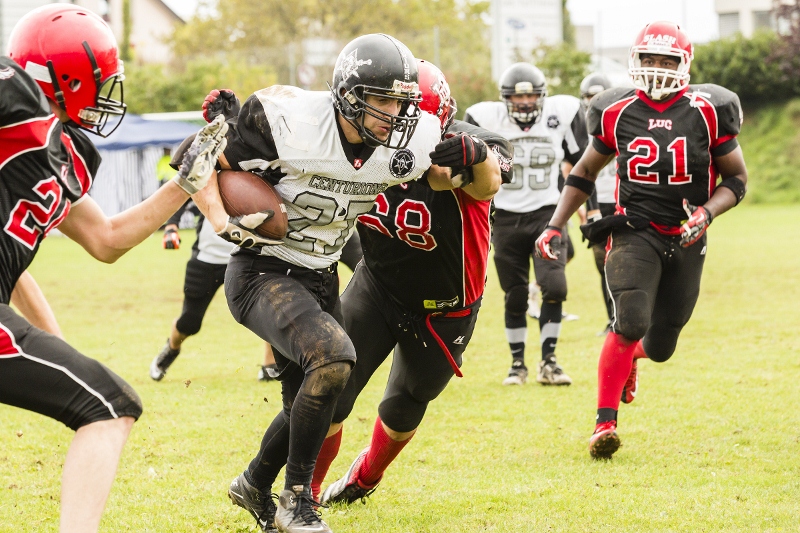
729 116
576 139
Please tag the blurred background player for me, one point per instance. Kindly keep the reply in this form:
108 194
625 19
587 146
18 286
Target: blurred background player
544 131
345 147
427 319
63 75
671 142
605 188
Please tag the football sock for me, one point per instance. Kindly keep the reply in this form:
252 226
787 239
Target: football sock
328 452
616 359
271 458
606 415
517 351
382 451
312 412
639 352
549 326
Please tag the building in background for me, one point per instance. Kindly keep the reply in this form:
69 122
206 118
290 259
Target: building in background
152 21
519 26
743 16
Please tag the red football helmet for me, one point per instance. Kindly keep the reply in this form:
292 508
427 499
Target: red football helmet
436 98
661 38
73 56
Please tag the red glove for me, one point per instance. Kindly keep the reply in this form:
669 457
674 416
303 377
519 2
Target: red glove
223 102
548 245
171 240
695 227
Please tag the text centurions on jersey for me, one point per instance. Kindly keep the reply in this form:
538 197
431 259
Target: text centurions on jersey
559 134
665 149
291 137
428 248
44 168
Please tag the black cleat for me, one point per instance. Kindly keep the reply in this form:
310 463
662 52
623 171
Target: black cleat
257 503
159 366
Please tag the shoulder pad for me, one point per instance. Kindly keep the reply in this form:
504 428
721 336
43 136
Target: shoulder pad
20 96
562 103
483 112
726 103
601 102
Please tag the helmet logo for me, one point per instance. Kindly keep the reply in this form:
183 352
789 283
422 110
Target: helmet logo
350 64
6 73
660 40
405 87
523 87
402 163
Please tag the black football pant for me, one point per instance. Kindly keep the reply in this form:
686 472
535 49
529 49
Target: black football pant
420 369
352 252
599 251
42 373
200 284
654 283
297 310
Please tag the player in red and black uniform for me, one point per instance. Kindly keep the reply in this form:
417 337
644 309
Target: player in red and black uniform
417 292
62 76
672 142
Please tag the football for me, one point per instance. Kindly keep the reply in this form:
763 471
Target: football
245 193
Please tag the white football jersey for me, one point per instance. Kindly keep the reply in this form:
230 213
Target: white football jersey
606 184
211 248
323 192
538 152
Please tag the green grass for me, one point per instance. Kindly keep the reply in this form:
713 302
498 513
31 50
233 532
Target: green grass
712 442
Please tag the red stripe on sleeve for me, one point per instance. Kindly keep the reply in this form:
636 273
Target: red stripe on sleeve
610 116
23 137
475 234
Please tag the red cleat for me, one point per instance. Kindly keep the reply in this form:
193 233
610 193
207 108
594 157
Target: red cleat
629 390
604 441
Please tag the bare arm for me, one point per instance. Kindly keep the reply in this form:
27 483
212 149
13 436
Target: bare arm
29 299
590 164
209 203
729 166
108 239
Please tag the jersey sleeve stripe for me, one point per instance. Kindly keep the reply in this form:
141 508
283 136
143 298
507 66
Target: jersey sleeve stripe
709 114
609 120
475 243
22 137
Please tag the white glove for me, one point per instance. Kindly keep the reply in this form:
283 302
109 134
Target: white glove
241 230
201 157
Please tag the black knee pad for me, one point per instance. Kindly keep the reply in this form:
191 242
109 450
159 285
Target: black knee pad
189 323
633 314
660 343
329 379
516 300
402 413
554 289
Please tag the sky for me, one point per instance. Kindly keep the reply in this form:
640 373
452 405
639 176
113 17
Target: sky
616 21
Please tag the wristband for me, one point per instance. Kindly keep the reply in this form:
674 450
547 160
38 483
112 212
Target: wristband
736 186
582 184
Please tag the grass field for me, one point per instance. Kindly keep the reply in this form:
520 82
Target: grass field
712 442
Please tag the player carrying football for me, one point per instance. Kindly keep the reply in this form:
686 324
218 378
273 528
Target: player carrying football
64 76
672 142
545 130
417 292
328 155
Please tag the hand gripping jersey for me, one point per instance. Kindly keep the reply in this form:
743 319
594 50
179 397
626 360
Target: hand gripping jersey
429 248
559 134
664 149
291 138
44 168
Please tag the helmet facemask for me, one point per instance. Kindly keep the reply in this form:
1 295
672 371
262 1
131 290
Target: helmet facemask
528 113
354 108
659 83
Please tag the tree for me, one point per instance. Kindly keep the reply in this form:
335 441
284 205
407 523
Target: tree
567 28
787 55
564 65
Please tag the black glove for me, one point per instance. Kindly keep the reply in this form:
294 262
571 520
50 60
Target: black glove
459 150
223 102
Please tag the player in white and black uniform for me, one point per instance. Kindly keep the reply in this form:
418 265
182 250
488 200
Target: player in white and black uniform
672 142
545 130
417 292
62 77
328 155
605 190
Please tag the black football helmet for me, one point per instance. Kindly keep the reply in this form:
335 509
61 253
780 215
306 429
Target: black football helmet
523 78
378 65
593 84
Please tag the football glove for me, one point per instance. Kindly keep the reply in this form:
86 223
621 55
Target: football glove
221 102
459 150
201 157
695 227
548 245
241 230
171 240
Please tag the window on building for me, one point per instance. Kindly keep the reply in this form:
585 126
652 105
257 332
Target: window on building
763 20
728 24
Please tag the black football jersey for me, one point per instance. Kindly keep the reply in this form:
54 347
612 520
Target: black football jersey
664 150
44 167
429 248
